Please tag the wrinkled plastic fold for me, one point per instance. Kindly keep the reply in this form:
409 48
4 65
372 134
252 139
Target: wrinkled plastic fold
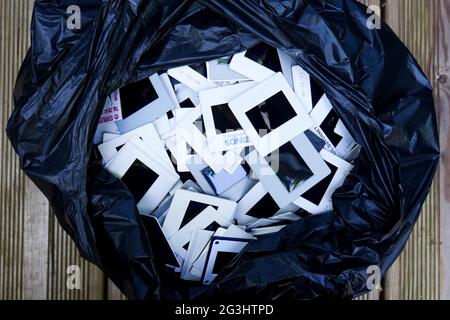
372 80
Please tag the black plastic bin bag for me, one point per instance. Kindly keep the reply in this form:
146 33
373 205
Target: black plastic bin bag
372 80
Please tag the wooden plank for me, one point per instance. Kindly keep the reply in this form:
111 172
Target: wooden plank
36 214
35 243
63 255
416 274
14 42
443 99
373 295
34 251
114 293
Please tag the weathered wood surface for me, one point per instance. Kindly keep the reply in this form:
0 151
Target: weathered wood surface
417 273
35 253
14 17
62 255
113 293
443 99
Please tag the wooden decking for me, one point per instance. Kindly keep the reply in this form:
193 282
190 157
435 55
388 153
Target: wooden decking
35 253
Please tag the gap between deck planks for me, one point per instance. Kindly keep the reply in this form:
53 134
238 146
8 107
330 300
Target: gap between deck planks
35 252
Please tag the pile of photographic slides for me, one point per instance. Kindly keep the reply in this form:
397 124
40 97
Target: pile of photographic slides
223 152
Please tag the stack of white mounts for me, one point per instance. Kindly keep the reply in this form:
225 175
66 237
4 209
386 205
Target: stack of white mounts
221 153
